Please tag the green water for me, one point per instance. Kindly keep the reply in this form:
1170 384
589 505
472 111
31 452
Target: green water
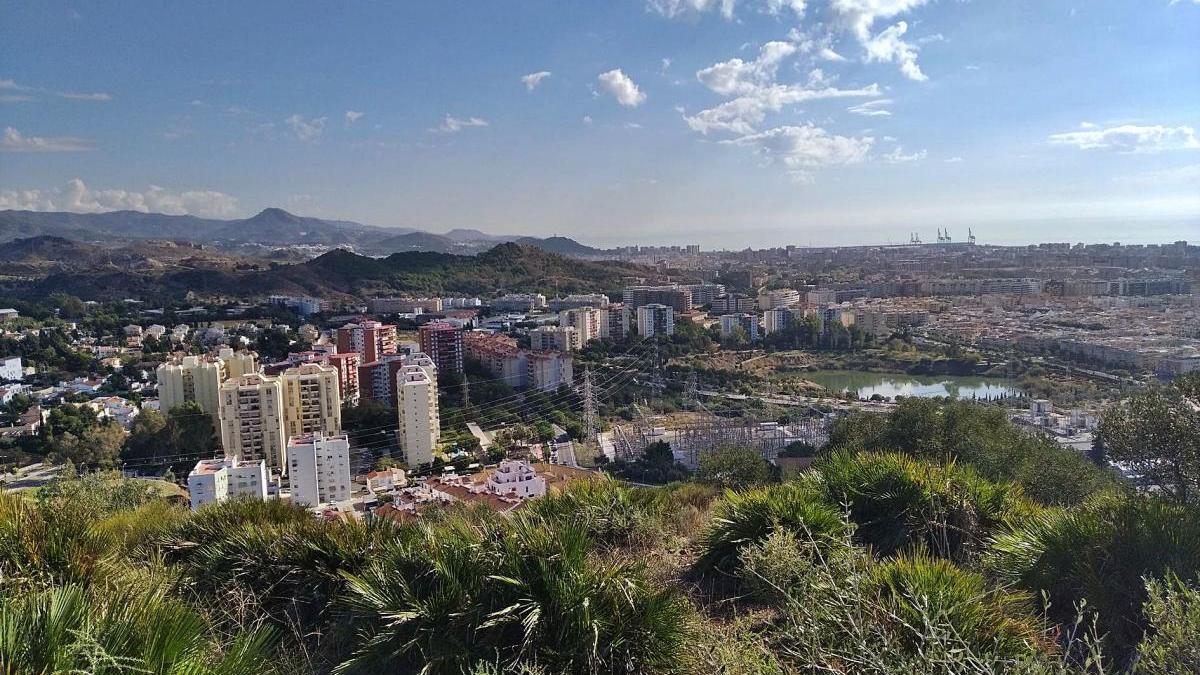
890 385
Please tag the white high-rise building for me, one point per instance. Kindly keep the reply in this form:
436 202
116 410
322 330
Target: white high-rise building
554 338
199 378
319 469
417 410
745 321
213 481
655 319
586 321
312 400
252 420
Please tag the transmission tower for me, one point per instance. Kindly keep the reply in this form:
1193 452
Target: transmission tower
691 395
656 381
589 406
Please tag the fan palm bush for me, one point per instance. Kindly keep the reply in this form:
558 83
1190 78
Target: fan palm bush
749 517
39 546
898 502
922 594
611 513
509 592
1101 553
838 610
292 569
115 629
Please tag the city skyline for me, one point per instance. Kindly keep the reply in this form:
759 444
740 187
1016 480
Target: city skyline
668 121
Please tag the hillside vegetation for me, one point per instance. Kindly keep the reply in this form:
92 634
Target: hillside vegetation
878 561
342 274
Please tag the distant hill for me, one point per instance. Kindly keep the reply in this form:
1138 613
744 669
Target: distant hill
561 245
418 241
272 227
341 274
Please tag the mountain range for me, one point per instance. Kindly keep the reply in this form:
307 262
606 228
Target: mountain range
270 228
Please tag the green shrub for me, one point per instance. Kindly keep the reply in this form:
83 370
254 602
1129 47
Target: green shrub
749 517
919 590
838 611
120 629
513 590
1101 552
898 502
1172 611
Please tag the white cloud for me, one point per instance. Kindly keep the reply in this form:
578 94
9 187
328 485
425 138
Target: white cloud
453 125
622 88
808 146
353 116
953 160
306 131
874 108
678 8
532 80
86 96
14 141
827 54
777 6
587 120
897 156
889 47
736 76
741 115
859 16
673 9
1130 138
15 93
632 125
666 65
77 197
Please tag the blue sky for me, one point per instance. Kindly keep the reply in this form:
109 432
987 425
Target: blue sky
721 122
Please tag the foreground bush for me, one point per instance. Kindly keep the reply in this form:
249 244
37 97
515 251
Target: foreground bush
1101 553
898 502
70 629
745 518
839 611
509 592
1173 613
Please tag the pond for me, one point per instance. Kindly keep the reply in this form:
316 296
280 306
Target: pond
890 385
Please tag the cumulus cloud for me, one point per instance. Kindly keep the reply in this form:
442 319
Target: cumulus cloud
898 156
876 108
353 116
743 114
736 76
622 88
15 141
453 125
859 17
808 146
1129 138
532 80
77 197
306 131
889 47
